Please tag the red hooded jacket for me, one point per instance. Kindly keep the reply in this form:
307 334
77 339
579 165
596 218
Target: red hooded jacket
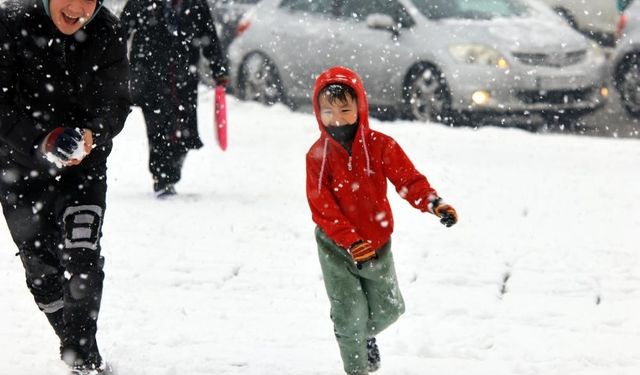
348 194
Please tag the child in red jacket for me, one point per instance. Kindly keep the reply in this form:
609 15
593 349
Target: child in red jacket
347 172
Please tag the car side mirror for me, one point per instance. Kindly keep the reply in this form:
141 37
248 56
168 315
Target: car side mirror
379 21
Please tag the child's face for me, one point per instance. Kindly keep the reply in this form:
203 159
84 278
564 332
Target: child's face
70 15
338 113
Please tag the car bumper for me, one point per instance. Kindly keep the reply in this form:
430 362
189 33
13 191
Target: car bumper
528 91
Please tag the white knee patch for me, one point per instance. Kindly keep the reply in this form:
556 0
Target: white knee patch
82 226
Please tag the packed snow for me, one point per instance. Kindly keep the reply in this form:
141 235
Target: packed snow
540 276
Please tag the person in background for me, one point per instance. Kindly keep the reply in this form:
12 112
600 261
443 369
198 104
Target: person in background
168 38
64 76
347 172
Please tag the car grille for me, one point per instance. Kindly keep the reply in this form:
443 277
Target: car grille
554 96
551 59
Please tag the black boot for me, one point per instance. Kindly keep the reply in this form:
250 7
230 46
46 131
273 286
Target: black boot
102 369
164 190
82 303
373 355
83 360
57 322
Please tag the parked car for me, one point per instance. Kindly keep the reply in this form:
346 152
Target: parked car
595 18
626 59
442 60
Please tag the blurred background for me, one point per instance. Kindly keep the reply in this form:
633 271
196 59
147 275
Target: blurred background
548 66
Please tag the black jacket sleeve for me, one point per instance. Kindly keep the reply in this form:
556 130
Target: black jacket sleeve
109 98
211 49
129 17
17 128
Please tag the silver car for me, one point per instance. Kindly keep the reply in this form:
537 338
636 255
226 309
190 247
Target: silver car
435 60
595 18
626 60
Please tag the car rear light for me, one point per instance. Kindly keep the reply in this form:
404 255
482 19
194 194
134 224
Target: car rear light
243 26
245 21
622 23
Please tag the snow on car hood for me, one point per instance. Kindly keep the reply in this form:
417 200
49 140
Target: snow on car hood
515 34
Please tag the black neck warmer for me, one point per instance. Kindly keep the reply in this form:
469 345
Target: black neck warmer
344 134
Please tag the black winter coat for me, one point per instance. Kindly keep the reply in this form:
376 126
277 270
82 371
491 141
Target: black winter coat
48 79
164 61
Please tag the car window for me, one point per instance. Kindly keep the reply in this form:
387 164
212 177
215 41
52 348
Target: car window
471 9
359 10
325 7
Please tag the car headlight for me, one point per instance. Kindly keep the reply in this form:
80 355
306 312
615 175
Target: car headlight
478 54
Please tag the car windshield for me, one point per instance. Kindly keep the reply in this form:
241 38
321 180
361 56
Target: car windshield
471 9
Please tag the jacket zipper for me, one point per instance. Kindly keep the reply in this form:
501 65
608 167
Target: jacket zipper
349 162
64 50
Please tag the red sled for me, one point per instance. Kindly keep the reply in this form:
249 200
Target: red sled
220 117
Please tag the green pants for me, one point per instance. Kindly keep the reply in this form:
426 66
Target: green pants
363 301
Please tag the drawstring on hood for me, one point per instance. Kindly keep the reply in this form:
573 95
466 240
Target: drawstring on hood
45 3
324 161
343 76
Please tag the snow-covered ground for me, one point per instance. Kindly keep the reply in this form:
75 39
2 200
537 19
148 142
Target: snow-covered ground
541 275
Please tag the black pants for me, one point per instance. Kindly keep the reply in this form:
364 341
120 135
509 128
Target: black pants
56 224
166 154
170 113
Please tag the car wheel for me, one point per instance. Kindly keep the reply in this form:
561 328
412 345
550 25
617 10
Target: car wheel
426 96
259 80
628 83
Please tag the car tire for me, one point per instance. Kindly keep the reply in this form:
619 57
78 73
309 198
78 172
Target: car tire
427 97
628 83
259 80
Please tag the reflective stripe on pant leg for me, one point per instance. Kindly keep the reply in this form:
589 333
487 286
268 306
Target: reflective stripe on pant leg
349 310
44 276
52 307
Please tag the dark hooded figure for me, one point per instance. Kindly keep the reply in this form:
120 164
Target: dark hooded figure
168 38
64 95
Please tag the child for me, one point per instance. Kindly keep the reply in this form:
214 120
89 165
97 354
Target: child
347 172
64 79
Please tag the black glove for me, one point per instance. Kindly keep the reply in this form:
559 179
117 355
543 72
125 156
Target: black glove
222 81
62 142
447 214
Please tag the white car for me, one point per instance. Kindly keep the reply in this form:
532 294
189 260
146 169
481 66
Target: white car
626 60
595 18
442 60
